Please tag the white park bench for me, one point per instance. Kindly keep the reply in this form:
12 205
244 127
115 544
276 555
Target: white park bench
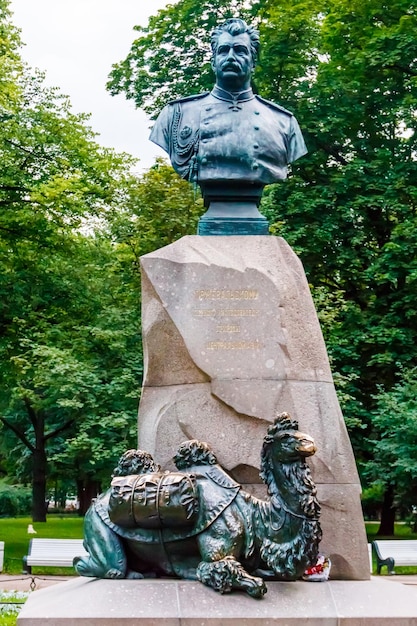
393 552
52 553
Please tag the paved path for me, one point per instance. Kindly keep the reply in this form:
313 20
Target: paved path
23 582
405 579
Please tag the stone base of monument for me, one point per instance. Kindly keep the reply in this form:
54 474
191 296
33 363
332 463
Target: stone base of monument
231 338
233 226
92 602
221 220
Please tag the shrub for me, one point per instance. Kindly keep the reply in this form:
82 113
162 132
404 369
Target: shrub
14 500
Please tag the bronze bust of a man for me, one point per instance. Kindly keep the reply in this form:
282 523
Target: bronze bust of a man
230 141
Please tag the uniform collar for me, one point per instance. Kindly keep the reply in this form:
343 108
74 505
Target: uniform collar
233 98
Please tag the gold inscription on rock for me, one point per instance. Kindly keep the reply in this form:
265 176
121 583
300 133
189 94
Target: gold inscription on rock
233 345
237 312
218 306
226 294
204 312
227 328
226 312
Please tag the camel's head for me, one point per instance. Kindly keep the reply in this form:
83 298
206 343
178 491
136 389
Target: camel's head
194 452
136 462
285 443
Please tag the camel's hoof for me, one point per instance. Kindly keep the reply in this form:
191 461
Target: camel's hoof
256 588
134 575
114 573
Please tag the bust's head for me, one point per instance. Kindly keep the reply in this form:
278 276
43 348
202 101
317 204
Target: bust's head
235 47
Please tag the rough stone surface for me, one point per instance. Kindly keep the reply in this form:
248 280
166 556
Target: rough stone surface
231 337
241 306
173 413
91 602
343 536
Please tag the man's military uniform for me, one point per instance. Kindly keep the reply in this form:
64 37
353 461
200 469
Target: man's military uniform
220 137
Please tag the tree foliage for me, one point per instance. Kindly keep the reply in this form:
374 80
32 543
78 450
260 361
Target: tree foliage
73 369
350 208
74 222
395 417
10 62
159 208
69 344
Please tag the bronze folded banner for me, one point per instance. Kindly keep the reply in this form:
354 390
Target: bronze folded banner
154 500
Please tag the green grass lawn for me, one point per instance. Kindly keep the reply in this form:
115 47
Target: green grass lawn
402 531
14 533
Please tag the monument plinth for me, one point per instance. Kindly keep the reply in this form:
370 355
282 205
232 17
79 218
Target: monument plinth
231 337
89 602
232 209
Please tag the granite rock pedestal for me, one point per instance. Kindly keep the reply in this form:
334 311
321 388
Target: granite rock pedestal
231 338
91 602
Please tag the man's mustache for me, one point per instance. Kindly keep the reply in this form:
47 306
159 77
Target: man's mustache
229 65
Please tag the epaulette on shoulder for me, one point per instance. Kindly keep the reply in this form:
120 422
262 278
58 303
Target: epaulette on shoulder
273 105
197 96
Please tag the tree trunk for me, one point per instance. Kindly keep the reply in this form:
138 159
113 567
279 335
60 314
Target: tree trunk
39 485
87 489
386 527
38 453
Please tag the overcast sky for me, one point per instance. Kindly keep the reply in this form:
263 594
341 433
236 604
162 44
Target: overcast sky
76 42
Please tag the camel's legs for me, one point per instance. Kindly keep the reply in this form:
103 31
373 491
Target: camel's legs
220 547
227 574
107 557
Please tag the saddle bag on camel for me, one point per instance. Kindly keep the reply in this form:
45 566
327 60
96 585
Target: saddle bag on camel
158 500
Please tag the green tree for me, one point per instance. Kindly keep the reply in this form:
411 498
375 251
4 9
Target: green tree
60 286
159 208
71 368
10 61
395 418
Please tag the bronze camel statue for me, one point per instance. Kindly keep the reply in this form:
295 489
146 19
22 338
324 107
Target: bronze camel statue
207 527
